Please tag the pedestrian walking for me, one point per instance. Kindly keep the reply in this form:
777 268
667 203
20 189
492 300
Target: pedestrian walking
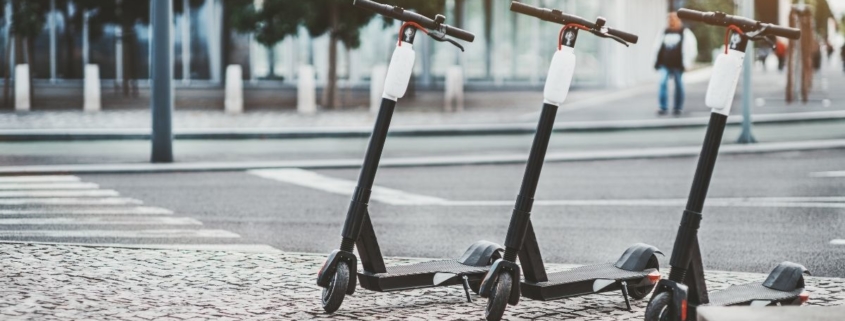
676 50
780 52
842 54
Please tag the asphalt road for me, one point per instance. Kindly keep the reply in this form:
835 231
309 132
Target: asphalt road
107 152
579 217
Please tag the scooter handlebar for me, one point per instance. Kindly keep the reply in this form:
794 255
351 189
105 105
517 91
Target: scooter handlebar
404 15
556 16
745 24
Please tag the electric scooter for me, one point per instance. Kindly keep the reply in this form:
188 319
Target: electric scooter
634 273
335 275
677 297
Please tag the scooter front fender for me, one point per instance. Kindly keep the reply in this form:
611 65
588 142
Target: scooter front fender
493 276
680 293
324 277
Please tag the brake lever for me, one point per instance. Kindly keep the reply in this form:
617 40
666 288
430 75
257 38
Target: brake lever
609 36
758 35
441 37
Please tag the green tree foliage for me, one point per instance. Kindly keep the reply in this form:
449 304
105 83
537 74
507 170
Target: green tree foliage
270 24
708 37
28 18
343 22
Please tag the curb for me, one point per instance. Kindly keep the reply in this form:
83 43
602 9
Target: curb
620 154
406 131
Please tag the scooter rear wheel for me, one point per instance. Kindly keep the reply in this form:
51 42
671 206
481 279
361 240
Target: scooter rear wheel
660 308
640 292
334 293
498 300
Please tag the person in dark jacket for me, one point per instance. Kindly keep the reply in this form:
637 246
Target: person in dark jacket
676 50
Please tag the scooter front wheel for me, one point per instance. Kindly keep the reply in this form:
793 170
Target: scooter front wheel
334 293
498 300
660 308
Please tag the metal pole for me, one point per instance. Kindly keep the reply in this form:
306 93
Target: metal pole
85 44
747 137
52 23
186 42
161 76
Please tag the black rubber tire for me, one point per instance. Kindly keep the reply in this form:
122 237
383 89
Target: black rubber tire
334 293
640 292
660 308
498 300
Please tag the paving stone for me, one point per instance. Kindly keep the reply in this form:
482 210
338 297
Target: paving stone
60 282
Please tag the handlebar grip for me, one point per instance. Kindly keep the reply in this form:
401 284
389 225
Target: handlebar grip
370 5
632 38
526 9
785 32
459 33
695 15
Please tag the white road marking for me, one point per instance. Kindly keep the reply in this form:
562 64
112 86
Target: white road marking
345 187
48 186
71 193
714 202
160 220
828 174
70 201
837 242
396 197
39 179
245 248
122 233
138 210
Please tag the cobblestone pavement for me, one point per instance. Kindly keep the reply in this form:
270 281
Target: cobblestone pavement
61 282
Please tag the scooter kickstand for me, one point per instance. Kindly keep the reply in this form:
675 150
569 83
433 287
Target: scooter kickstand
625 295
466 288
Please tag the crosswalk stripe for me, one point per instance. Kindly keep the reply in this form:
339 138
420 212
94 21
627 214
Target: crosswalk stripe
69 201
837 242
245 248
48 186
39 179
828 174
137 210
175 233
160 220
71 193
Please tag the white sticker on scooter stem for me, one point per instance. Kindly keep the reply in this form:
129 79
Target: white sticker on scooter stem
723 81
399 71
560 74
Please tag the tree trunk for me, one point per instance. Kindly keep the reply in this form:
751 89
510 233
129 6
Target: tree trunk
7 73
330 92
127 49
30 60
271 62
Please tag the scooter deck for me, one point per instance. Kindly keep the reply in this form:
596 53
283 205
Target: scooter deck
581 281
420 275
744 294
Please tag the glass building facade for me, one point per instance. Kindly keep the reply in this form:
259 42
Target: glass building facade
510 50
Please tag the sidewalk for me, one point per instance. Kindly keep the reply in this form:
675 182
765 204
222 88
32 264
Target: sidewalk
61 282
486 112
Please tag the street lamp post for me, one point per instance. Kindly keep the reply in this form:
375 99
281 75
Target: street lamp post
161 74
747 137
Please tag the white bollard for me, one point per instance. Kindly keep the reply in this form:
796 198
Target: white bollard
454 89
306 91
233 101
22 102
91 90
377 86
